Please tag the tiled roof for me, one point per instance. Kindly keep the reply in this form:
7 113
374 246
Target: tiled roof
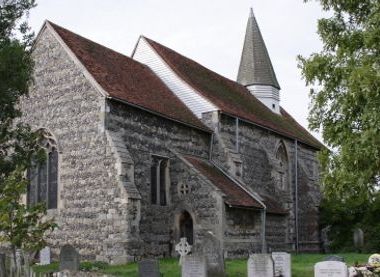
232 98
126 79
235 195
255 65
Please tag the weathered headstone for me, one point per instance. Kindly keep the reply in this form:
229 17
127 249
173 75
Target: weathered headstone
260 265
68 258
45 256
210 248
149 268
358 239
282 264
194 266
3 272
183 248
330 269
334 258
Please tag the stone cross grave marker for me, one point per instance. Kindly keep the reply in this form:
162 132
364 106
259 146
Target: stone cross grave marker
149 268
68 258
260 265
282 264
193 266
183 248
45 256
330 269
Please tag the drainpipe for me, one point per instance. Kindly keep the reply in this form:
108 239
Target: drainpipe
237 134
296 193
211 147
263 222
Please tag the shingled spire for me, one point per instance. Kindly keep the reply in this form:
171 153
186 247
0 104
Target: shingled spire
256 70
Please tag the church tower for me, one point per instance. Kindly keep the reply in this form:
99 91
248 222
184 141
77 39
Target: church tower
256 70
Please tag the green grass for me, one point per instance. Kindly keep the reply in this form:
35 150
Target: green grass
302 266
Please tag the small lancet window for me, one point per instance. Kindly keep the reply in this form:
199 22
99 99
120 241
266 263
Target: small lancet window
43 176
159 172
283 167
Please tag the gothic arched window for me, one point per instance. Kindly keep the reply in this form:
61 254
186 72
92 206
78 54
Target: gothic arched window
159 172
283 167
43 176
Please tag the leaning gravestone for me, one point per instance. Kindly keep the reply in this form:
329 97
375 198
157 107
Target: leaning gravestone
282 262
45 256
330 269
260 265
358 239
194 266
211 249
68 258
149 268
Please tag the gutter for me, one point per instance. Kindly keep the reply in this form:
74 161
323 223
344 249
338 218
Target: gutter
159 114
269 129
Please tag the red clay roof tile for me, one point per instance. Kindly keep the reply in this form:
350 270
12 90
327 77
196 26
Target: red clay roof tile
126 79
231 97
235 195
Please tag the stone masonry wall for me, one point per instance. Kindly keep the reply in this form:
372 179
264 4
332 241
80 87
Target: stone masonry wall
92 207
145 135
256 151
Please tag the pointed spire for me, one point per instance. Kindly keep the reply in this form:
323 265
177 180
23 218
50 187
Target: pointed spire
255 65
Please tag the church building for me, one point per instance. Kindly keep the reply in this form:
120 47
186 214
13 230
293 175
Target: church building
147 149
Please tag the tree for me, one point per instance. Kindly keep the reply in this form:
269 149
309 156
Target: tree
20 226
345 104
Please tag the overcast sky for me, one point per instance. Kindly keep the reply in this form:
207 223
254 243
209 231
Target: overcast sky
210 32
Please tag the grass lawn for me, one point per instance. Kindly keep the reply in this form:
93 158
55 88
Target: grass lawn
302 266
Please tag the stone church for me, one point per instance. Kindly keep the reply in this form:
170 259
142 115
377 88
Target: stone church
144 150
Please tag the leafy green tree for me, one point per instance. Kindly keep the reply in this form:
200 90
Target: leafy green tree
20 226
345 107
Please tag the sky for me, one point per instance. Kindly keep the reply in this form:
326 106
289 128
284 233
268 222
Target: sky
210 32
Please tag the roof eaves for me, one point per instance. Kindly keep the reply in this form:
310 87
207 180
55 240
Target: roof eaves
205 129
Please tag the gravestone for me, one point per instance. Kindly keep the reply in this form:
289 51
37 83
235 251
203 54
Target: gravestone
2 265
183 248
282 264
209 246
194 266
260 265
68 258
45 256
330 269
149 268
334 259
358 239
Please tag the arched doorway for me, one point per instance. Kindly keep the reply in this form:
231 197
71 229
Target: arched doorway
186 227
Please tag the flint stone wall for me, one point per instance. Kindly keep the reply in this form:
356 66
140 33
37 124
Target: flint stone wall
145 135
256 152
92 207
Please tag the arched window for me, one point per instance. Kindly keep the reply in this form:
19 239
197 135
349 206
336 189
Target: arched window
159 180
283 167
43 176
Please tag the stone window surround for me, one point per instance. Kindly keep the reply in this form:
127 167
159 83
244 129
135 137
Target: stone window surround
49 143
158 159
284 174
